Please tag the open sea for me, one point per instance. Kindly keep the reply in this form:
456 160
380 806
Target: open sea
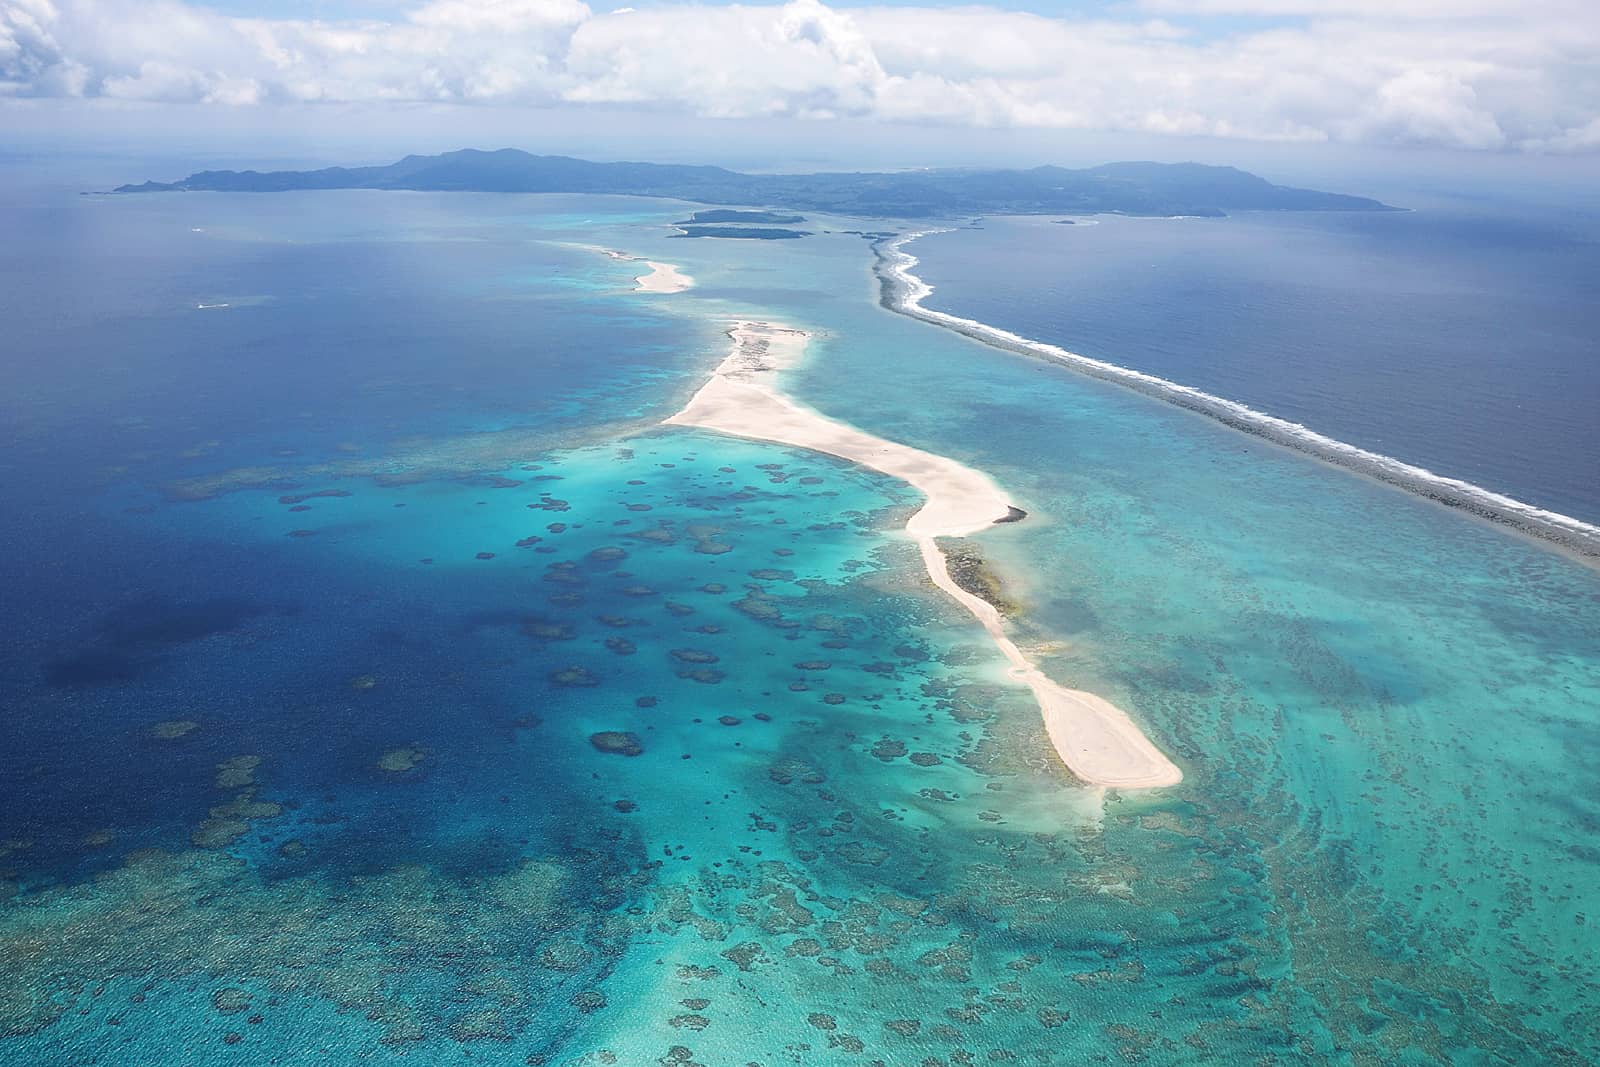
1459 337
379 684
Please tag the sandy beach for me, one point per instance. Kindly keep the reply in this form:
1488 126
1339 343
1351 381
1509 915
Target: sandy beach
1095 739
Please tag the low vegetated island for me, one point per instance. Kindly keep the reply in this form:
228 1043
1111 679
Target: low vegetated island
1158 189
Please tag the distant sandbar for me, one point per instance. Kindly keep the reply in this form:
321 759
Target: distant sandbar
663 278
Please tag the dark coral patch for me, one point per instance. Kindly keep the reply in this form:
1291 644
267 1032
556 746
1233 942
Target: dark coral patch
588 1001
617 742
887 749
545 630
768 574
758 608
575 677
792 769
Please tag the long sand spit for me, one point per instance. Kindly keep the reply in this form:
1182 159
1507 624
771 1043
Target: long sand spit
662 278
1095 739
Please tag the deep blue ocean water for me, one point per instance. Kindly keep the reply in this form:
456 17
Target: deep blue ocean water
333 614
1460 336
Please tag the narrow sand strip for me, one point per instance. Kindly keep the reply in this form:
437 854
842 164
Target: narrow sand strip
663 277
1095 739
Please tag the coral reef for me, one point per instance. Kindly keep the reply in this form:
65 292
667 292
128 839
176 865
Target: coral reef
617 742
400 760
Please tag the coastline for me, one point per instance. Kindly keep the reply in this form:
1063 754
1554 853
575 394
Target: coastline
902 291
1097 741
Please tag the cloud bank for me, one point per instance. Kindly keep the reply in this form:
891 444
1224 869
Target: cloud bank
1473 74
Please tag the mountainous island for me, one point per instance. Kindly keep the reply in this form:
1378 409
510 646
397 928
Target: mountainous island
1123 188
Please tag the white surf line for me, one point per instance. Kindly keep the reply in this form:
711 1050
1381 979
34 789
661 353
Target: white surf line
1095 739
904 292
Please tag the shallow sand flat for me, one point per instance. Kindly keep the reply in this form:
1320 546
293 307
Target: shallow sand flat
663 278
1095 739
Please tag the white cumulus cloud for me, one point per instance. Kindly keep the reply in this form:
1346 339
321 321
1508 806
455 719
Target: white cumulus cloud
1473 74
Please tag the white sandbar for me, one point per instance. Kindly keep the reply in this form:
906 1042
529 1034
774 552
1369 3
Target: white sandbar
663 278
1095 739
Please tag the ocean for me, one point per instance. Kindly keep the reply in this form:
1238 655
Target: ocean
1459 337
379 683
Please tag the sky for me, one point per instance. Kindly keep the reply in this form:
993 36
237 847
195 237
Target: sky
1461 78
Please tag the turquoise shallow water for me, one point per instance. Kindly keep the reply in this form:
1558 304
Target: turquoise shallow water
843 837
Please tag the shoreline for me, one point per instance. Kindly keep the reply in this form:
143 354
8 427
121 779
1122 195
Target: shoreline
902 292
1096 740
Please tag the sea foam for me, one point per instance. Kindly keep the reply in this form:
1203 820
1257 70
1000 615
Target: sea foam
904 291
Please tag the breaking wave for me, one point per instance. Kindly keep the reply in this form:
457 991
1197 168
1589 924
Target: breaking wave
904 292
